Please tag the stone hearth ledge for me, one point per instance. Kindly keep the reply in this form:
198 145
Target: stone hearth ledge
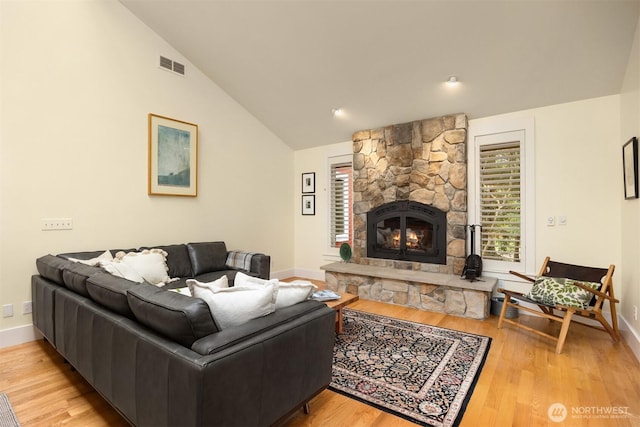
438 292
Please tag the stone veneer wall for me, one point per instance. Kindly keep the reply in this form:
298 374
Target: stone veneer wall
423 161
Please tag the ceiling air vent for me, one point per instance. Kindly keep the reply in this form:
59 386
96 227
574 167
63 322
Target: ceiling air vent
170 65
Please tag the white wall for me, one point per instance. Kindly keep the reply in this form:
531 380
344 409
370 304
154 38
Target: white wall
78 80
311 230
630 213
577 149
577 173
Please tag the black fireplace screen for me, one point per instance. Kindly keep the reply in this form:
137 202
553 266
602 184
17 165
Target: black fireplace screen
409 231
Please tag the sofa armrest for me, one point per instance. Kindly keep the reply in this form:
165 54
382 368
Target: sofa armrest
257 264
261 264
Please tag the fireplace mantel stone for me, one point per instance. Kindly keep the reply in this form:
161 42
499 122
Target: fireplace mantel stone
438 292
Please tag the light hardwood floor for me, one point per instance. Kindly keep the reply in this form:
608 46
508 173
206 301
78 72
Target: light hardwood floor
521 378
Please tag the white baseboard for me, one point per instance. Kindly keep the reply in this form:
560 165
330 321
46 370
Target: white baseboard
18 335
631 336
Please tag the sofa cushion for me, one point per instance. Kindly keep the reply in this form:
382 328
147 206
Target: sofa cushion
234 306
219 283
217 342
150 264
289 293
111 292
561 291
51 267
178 259
214 275
177 317
103 257
207 256
122 270
75 276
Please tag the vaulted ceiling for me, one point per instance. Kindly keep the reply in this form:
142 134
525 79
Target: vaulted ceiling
383 62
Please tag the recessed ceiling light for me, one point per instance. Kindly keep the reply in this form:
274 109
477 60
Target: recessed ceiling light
452 81
337 112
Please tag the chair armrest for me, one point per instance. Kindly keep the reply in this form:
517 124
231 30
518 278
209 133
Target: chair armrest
522 276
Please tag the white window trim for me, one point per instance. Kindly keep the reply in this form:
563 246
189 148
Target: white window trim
493 129
333 156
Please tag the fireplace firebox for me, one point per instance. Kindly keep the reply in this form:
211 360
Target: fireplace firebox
409 231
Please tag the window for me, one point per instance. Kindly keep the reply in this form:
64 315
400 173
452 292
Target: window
501 192
500 202
339 192
341 227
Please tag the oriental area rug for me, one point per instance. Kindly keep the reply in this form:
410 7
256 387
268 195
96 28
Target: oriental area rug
419 372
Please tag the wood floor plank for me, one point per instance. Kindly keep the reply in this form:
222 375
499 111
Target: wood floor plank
521 378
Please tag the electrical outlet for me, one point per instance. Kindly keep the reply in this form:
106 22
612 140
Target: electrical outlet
551 220
562 220
635 312
27 307
49 224
7 310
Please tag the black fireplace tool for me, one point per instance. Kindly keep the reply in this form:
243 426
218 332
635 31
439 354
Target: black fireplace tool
473 264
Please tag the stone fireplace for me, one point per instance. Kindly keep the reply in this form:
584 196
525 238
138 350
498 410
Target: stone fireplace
409 231
422 162
410 209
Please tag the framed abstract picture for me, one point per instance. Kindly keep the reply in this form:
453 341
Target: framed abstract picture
173 157
630 165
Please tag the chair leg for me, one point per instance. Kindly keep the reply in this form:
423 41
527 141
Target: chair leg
563 331
615 334
614 321
503 312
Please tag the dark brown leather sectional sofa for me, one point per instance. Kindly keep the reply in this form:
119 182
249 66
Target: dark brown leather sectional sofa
159 358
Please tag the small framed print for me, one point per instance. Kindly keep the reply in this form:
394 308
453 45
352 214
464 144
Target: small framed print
308 182
309 205
630 167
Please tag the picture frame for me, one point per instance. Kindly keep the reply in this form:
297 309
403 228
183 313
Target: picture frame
173 157
630 167
308 182
309 204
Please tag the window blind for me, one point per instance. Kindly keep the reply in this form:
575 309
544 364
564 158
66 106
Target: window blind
341 228
500 201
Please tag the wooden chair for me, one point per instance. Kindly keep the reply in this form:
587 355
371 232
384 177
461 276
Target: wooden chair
563 314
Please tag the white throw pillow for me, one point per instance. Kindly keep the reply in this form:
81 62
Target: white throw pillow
290 293
242 279
123 270
235 306
221 283
150 264
104 257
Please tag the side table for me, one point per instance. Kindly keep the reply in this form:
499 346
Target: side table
339 304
